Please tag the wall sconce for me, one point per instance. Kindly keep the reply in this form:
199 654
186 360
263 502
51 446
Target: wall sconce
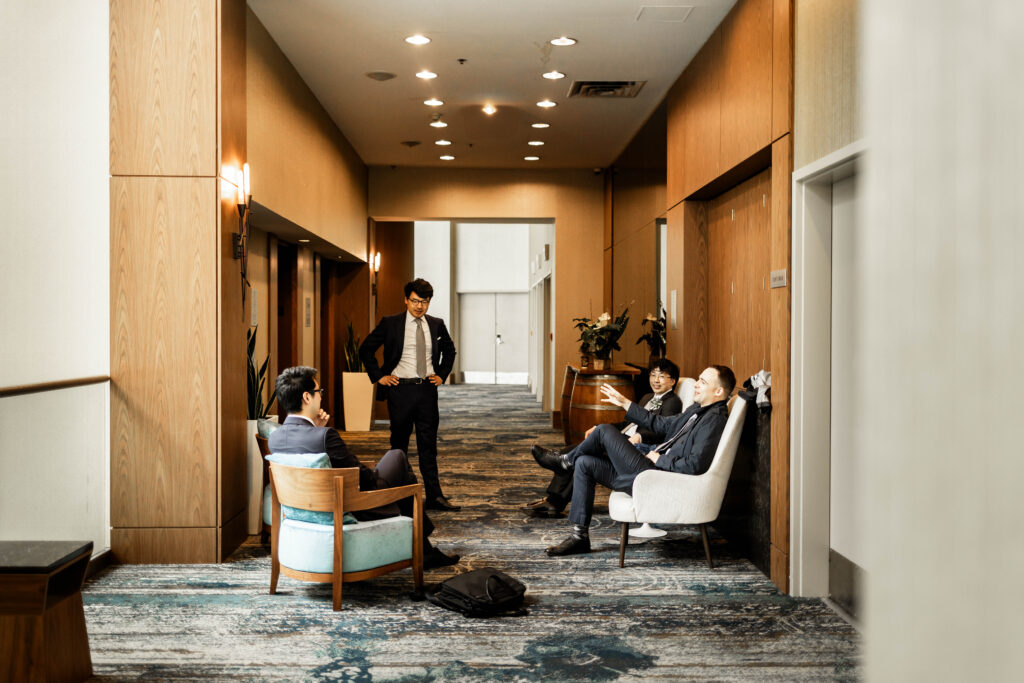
376 263
243 201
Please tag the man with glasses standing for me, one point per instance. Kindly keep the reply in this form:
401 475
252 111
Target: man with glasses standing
418 356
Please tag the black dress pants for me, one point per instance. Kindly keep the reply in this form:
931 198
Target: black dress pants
605 457
394 470
415 405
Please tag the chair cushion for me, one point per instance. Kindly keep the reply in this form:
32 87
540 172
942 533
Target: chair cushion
265 427
620 507
309 547
311 516
313 460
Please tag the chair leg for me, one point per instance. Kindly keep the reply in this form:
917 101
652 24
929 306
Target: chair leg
707 548
623 536
275 570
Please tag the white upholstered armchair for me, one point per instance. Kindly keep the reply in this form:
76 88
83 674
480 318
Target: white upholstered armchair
661 497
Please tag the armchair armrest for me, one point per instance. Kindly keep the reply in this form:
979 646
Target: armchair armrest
672 498
364 500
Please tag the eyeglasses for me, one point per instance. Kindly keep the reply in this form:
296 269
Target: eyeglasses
658 375
321 390
419 302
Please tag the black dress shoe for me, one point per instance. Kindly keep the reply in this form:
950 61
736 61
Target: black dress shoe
434 558
574 545
548 459
546 511
532 505
441 503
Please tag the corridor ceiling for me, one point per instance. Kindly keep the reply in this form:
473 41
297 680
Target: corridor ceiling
505 45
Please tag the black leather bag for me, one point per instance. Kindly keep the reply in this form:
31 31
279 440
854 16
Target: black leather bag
484 592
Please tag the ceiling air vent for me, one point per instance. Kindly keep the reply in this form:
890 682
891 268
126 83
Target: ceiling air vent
605 88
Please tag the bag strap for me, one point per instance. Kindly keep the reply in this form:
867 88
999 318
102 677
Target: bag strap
501 581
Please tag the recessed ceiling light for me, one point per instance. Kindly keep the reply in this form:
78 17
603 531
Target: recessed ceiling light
546 104
443 143
553 75
535 143
531 158
426 75
439 124
447 157
433 102
539 125
490 109
561 41
420 39
303 241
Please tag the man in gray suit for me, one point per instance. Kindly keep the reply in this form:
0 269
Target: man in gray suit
300 393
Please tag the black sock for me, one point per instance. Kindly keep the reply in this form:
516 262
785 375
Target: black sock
580 531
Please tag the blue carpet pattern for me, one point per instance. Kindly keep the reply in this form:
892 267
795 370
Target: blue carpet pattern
664 616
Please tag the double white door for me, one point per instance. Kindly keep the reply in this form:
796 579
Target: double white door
494 337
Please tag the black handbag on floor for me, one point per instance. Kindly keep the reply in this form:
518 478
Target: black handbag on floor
484 592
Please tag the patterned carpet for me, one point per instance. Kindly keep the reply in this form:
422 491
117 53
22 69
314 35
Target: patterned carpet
664 616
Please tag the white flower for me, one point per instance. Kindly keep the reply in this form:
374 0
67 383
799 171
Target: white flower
605 317
650 317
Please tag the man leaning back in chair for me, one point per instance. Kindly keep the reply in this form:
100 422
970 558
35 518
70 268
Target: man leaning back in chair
690 440
300 393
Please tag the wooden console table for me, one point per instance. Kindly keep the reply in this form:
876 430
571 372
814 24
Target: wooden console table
42 625
581 398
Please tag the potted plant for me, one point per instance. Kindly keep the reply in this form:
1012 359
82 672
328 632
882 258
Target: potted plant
256 410
598 338
356 388
655 337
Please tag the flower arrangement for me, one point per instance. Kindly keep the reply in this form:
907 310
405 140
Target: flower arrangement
655 337
600 337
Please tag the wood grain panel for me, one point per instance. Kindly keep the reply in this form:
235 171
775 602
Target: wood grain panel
609 207
395 243
746 80
687 274
608 294
780 569
675 141
163 87
826 106
231 534
231 103
163 351
635 279
782 67
162 545
779 352
702 118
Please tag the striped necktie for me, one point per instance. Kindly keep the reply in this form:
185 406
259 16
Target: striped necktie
663 447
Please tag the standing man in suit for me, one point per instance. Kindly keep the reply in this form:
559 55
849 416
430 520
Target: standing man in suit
305 431
418 356
662 400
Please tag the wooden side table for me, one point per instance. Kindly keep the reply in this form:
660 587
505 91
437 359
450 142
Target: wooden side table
42 625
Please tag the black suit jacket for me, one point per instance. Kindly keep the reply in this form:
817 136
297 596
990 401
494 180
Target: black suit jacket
671 404
694 451
297 435
390 333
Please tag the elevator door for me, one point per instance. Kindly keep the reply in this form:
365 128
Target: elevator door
494 337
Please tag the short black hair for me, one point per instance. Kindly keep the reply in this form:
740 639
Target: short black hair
292 383
726 378
666 366
421 287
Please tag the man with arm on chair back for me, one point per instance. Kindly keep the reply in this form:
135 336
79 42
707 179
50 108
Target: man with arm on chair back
607 457
662 400
418 356
304 431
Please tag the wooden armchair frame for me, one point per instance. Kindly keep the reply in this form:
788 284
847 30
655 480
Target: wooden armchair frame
337 491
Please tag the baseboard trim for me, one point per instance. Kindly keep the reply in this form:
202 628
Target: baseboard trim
845 583
99 562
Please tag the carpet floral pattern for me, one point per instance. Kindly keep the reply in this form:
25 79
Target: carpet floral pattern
664 616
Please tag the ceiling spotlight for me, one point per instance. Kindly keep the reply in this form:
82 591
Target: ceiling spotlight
553 75
426 75
303 241
531 158
447 157
490 109
443 143
420 39
433 102
535 143
438 123
561 41
546 104
539 125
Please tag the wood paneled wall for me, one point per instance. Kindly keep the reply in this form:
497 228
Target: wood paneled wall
394 240
177 112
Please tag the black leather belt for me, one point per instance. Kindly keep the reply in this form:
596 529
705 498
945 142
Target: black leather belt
411 380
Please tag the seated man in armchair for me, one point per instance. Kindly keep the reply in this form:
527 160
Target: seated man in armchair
662 400
304 431
690 440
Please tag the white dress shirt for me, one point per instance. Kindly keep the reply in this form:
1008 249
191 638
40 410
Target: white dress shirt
407 366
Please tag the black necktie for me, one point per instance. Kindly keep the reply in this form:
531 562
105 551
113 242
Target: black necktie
662 447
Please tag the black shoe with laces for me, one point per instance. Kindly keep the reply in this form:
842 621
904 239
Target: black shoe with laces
574 545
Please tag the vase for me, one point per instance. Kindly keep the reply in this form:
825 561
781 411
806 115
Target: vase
584 361
357 393
600 363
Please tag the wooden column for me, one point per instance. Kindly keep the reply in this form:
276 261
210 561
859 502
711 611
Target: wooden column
177 116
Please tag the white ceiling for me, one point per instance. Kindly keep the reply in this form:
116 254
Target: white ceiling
334 43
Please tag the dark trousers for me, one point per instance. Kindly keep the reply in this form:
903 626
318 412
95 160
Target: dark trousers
394 470
415 405
560 489
605 457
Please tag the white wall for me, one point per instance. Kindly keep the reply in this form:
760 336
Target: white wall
492 257
940 345
54 268
432 261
